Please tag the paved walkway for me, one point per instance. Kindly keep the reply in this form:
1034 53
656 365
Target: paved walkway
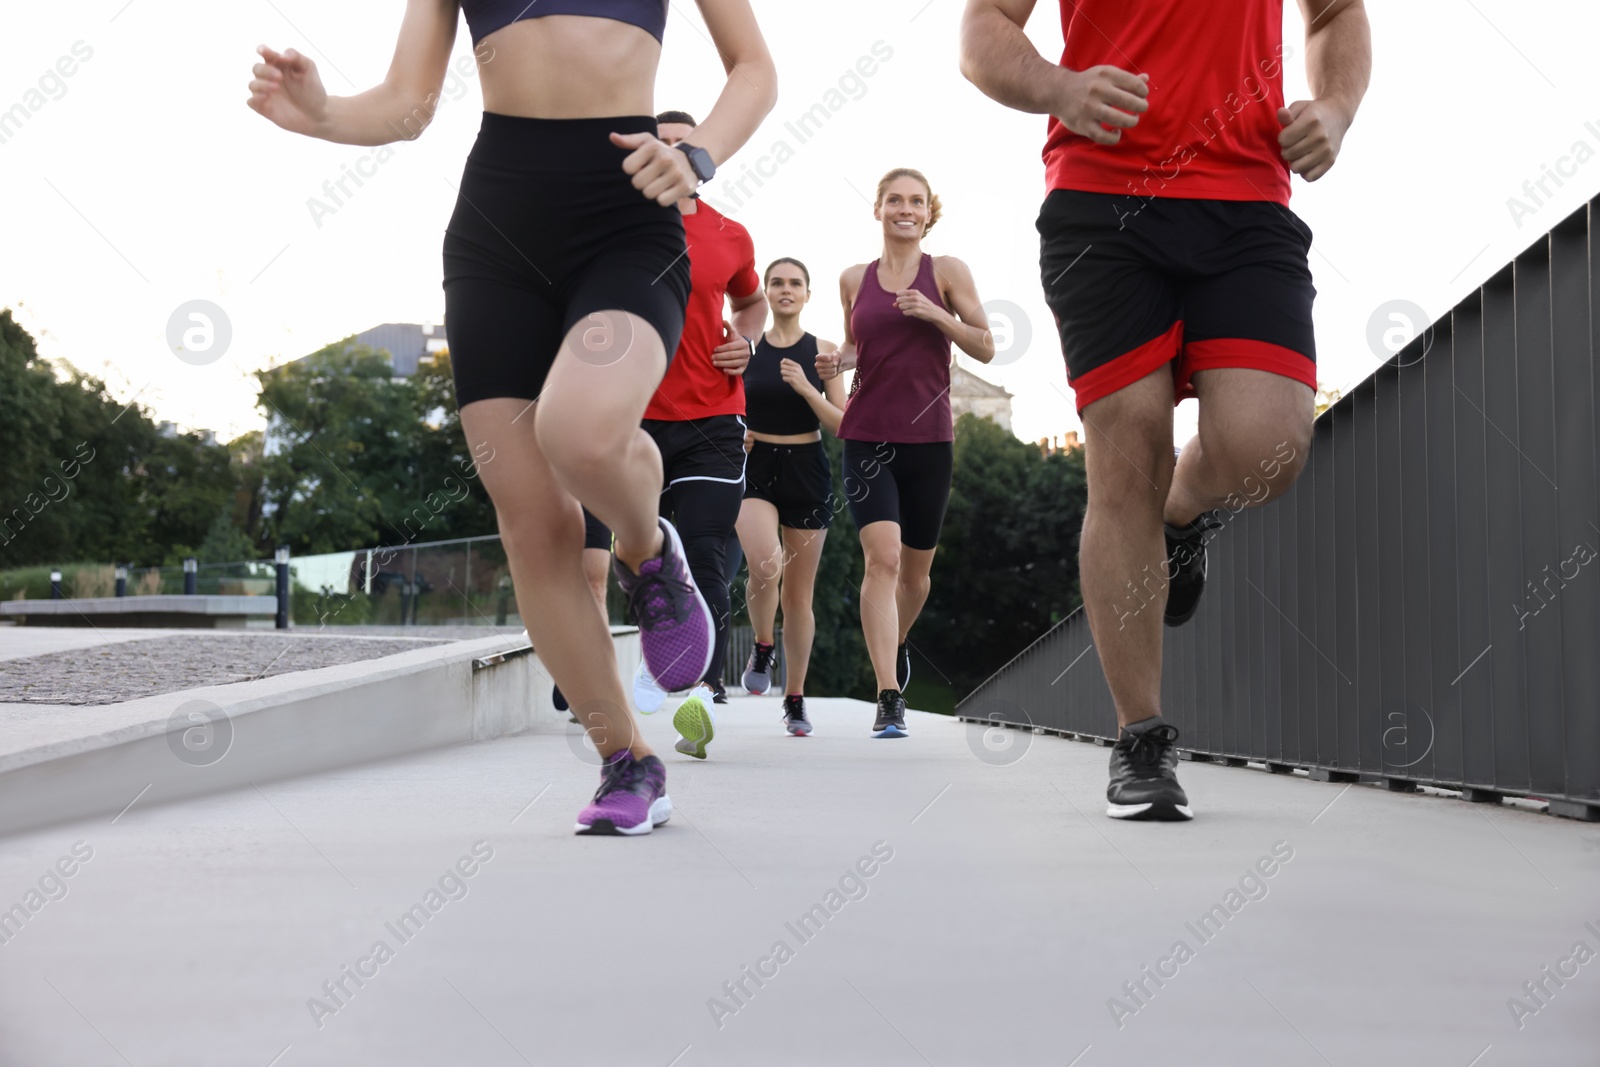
982 913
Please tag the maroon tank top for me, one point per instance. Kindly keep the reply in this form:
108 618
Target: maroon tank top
902 386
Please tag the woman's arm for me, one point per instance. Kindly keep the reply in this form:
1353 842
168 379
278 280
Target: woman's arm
662 172
969 326
287 89
829 406
752 86
835 362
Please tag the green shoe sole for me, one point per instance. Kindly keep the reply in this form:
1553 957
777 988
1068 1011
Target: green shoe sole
693 722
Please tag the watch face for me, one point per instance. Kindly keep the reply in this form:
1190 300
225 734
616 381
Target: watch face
700 161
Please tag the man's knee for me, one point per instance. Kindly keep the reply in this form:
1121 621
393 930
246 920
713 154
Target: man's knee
1263 461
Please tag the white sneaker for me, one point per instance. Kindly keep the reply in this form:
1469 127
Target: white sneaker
647 695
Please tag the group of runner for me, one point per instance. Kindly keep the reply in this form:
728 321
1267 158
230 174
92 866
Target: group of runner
585 287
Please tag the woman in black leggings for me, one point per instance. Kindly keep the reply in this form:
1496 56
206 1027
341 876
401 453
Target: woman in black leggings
902 311
565 287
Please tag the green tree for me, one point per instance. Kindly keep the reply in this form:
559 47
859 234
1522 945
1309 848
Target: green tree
89 478
355 456
1007 565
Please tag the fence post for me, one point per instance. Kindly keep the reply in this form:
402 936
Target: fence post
55 585
281 558
191 575
122 579
505 595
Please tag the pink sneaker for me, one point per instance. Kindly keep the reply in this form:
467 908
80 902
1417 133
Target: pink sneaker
632 798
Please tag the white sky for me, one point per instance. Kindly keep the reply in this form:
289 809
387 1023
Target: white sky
148 183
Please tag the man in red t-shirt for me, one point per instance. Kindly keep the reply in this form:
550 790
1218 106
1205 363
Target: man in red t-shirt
697 414
1174 268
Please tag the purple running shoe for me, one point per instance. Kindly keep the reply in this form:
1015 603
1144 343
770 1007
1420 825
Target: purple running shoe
632 798
675 631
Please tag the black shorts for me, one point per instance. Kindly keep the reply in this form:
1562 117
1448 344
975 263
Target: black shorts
548 232
699 450
795 479
907 484
1137 283
596 534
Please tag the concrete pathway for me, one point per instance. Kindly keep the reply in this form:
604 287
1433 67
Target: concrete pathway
932 901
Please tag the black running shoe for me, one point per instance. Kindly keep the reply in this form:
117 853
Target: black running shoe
1186 565
794 715
758 672
902 666
1144 775
891 720
719 694
561 703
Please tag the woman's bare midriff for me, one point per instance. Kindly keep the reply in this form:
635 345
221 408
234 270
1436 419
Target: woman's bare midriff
787 438
568 67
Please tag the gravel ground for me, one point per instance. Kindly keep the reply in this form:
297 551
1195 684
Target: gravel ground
111 673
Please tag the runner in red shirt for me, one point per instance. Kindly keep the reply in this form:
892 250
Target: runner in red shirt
1174 268
697 417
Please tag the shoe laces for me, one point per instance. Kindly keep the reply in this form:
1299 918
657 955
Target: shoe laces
658 598
761 660
620 775
794 707
1146 751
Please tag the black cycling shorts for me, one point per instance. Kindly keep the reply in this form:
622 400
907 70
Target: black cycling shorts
548 233
907 484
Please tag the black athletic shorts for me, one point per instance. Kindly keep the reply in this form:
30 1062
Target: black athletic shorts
596 534
1137 283
702 450
549 232
907 484
795 479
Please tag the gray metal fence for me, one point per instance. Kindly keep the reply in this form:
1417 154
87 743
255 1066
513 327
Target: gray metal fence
1424 606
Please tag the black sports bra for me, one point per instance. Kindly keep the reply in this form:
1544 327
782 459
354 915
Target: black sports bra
486 16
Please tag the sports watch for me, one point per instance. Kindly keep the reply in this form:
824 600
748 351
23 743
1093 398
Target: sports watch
699 161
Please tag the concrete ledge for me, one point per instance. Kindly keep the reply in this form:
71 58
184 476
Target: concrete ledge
74 763
144 611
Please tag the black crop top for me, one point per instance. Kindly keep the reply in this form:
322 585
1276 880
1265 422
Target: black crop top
770 405
486 16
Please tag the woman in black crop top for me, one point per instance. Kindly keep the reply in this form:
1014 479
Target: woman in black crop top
788 496
565 286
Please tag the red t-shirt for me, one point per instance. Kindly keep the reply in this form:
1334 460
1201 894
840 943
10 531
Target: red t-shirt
1216 84
722 261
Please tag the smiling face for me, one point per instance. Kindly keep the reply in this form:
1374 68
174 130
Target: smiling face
787 291
903 209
